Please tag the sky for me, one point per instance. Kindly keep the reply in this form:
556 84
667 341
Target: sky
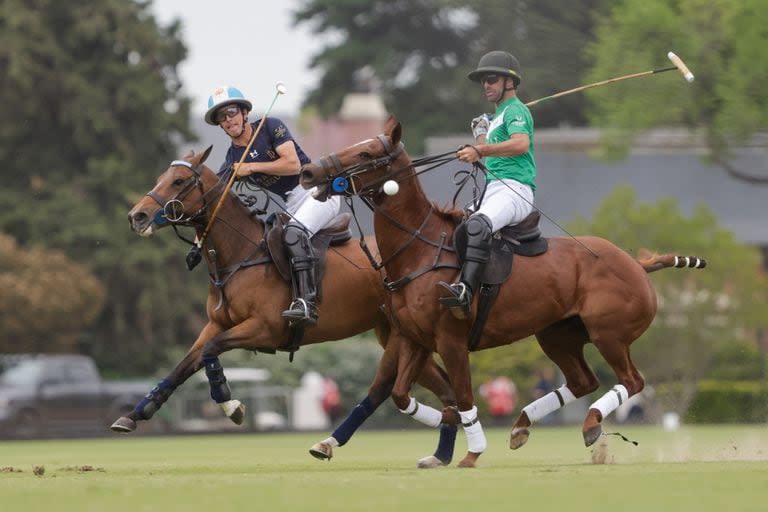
248 44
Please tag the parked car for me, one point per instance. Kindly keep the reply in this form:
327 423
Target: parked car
47 395
268 407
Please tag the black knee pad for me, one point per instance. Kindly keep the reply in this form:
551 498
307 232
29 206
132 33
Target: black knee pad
479 225
293 235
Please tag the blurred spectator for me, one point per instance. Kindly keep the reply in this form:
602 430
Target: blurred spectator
500 393
308 413
331 399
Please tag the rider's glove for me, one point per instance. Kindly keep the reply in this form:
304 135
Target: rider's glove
480 125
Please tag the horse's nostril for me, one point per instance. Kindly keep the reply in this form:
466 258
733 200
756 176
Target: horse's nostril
138 218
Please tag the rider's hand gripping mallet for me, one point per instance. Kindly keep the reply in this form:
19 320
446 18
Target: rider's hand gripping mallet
194 255
678 65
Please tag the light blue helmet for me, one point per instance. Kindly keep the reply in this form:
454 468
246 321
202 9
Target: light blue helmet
225 95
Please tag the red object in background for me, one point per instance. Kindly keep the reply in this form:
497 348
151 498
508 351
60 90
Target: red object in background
331 395
501 395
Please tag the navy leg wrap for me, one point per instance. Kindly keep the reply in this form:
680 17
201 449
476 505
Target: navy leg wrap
220 391
356 418
154 399
447 443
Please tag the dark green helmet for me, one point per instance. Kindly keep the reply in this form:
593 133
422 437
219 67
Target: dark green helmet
499 63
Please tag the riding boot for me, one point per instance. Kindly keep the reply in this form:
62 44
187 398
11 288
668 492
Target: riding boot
303 309
477 254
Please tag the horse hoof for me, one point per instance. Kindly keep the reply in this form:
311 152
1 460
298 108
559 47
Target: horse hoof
518 437
321 451
430 462
592 434
469 460
235 411
123 425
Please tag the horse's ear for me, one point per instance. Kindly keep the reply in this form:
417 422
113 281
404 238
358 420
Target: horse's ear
393 129
205 154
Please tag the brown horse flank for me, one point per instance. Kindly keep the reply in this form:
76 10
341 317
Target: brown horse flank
579 291
247 295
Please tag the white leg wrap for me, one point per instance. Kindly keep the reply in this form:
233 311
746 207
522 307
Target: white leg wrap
608 403
549 403
331 441
423 413
476 442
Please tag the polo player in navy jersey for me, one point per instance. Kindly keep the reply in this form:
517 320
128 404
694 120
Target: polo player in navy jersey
273 163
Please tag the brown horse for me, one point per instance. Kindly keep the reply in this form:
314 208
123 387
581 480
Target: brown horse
247 294
581 290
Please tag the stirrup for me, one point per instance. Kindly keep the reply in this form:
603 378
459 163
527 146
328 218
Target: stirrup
461 296
300 311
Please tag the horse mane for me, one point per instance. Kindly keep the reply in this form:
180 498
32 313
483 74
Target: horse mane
449 213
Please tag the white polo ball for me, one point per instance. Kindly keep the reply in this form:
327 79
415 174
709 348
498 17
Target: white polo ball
390 187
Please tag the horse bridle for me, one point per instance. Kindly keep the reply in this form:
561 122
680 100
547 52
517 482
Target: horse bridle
172 210
347 178
344 179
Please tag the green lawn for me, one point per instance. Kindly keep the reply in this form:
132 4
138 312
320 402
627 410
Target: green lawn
695 469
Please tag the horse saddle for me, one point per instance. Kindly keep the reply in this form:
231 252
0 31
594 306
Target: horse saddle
336 233
523 239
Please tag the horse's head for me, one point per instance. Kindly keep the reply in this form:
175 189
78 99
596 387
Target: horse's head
360 169
179 197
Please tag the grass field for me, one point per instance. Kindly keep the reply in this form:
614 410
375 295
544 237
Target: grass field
693 469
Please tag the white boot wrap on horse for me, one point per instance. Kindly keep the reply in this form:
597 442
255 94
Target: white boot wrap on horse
423 413
548 404
610 401
331 441
476 442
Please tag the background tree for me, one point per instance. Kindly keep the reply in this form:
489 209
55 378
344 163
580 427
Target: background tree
46 299
92 103
723 42
417 55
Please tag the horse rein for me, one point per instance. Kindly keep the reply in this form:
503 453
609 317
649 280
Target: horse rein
348 177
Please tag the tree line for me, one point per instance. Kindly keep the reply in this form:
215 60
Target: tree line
93 109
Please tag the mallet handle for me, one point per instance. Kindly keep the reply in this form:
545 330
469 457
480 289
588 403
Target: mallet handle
603 82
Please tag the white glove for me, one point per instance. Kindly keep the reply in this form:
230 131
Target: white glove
480 124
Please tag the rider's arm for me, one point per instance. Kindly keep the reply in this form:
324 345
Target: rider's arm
517 144
287 162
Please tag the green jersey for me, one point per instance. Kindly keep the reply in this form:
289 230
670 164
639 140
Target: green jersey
511 117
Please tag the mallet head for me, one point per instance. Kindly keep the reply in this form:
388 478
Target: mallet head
678 62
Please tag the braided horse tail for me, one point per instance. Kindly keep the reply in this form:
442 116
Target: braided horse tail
653 262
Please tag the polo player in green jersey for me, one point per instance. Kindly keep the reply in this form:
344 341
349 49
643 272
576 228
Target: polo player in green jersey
506 142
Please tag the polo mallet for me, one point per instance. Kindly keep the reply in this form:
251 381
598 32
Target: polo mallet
194 256
677 61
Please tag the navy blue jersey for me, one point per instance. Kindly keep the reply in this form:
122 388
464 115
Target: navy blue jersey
273 134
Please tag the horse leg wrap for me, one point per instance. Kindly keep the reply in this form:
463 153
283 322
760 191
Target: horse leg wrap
348 427
157 396
476 442
446 444
549 403
610 401
220 391
423 413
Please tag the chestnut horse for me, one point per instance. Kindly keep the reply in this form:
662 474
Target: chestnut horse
581 290
244 309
